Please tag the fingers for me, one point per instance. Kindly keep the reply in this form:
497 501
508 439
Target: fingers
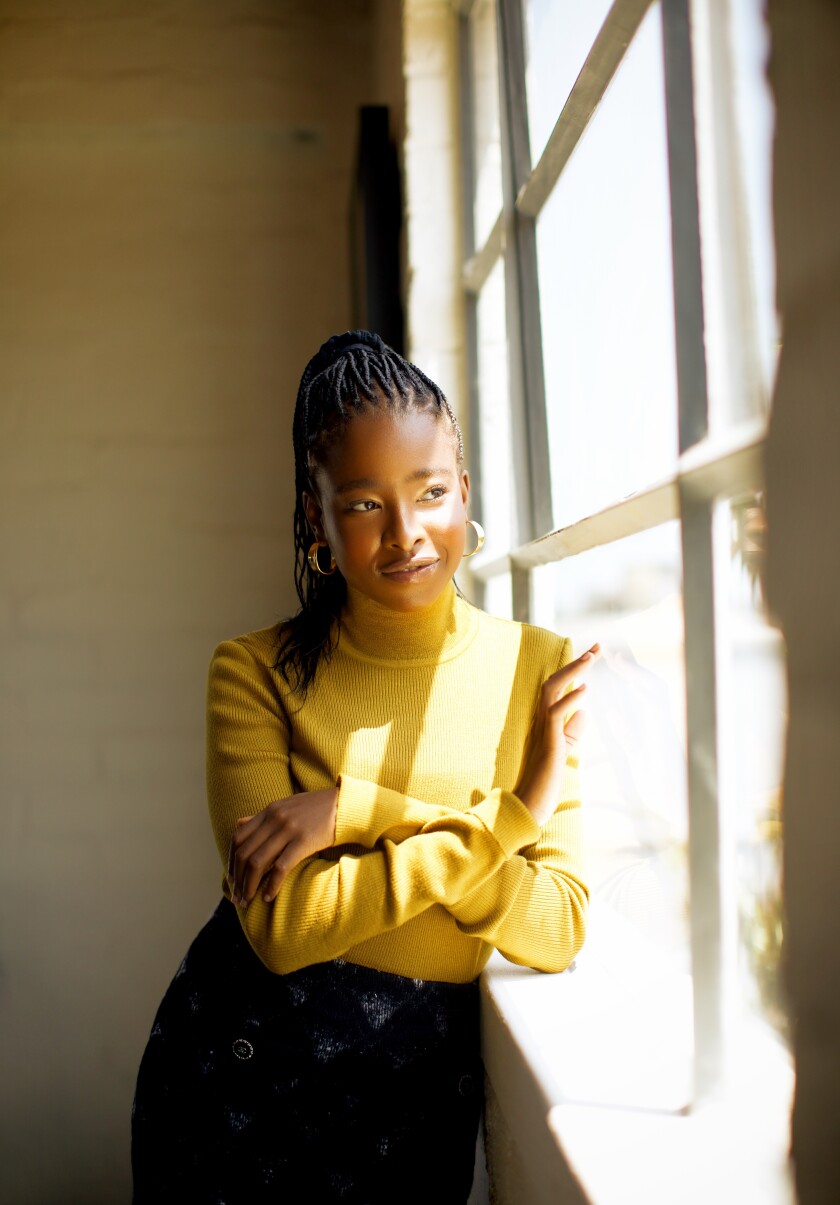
292 855
574 728
254 849
241 833
563 711
564 679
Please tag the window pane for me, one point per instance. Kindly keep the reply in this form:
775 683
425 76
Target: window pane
487 148
734 113
753 709
627 596
605 282
498 596
497 501
755 119
559 34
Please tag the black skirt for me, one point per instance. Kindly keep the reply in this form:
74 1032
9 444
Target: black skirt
333 1083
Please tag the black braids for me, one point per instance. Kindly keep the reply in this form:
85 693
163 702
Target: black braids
362 366
349 374
376 371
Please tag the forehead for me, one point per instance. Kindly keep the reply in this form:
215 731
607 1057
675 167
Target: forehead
382 445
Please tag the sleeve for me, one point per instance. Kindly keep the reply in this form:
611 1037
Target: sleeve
326 907
533 908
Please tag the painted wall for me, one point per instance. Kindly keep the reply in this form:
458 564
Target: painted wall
803 494
174 181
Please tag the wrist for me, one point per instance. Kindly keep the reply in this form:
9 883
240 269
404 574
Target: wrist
332 797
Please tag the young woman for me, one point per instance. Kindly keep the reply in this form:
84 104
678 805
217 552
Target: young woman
392 788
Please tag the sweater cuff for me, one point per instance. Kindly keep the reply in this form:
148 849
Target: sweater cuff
508 819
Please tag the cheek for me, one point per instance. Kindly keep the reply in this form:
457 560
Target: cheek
455 527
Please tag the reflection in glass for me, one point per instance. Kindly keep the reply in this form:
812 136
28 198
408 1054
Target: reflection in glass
627 596
559 34
753 707
605 284
487 149
495 437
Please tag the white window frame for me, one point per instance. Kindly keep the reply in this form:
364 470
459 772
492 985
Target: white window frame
709 467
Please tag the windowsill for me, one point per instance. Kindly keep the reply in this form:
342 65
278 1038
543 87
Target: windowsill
593 1068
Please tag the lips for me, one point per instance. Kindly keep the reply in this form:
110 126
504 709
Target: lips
400 567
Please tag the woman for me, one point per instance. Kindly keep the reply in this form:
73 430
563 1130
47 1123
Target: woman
391 780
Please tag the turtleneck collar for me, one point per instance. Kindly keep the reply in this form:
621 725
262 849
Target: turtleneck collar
437 633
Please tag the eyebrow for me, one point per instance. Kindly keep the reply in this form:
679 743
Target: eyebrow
367 483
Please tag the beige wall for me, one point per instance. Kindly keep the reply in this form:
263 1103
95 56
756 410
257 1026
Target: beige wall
803 491
174 180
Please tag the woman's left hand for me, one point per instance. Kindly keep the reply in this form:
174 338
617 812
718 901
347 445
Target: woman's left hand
276 840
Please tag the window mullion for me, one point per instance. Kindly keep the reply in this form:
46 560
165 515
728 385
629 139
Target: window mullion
704 843
685 224
522 581
704 855
602 62
534 509
465 102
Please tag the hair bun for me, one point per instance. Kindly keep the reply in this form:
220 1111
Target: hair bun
336 346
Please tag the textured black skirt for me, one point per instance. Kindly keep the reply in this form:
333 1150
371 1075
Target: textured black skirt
333 1083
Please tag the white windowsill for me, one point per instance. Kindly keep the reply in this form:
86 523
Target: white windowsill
593 1068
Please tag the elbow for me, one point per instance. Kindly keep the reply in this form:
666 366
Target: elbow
278 957
567 939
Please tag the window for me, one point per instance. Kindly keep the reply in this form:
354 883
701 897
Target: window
619 296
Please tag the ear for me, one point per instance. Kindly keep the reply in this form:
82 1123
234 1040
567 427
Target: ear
465 487
314 514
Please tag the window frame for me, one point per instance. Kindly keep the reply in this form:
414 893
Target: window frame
713 464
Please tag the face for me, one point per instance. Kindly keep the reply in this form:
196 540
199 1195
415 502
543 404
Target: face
391 502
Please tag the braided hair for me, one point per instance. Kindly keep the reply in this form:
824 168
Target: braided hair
350 374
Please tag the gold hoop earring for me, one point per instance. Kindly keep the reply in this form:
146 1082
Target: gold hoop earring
314 563
479 535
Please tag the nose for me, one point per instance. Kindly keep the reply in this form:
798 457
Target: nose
403 529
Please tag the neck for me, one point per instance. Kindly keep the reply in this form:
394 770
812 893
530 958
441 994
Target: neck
371 630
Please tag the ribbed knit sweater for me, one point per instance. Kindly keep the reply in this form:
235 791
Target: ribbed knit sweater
420 718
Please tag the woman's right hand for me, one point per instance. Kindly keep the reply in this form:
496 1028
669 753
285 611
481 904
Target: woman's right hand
555 730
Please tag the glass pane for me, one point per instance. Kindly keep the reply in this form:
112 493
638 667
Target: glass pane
605 283
734 113
496 443
498 596
487 142
754 116
627 596
559 35
753 709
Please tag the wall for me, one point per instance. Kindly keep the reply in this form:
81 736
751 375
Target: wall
803 492
174 178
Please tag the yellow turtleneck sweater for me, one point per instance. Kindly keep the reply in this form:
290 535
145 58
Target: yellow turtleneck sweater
420 718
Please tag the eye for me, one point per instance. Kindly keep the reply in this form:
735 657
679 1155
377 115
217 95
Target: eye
364 504
433 493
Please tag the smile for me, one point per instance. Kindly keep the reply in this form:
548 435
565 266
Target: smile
410 571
